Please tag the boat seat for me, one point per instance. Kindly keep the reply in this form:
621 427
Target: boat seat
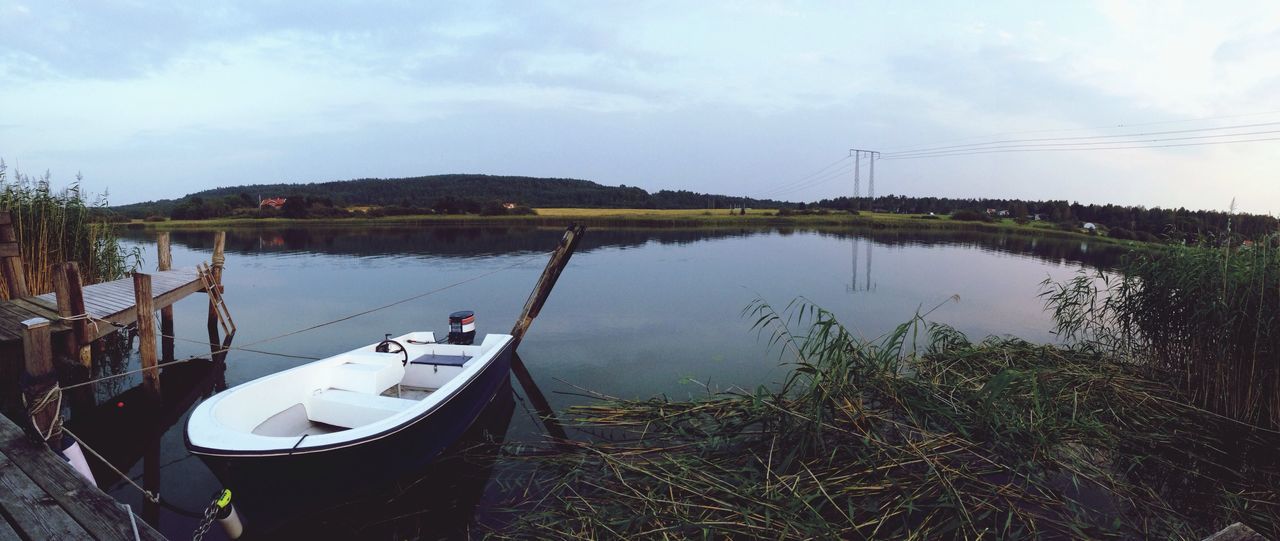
441 360
350 409
365 373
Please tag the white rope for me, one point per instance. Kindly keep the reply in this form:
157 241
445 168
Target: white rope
90 318
153 497
133 521
53 394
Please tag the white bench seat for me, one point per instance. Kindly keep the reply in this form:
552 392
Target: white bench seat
367 372
350 409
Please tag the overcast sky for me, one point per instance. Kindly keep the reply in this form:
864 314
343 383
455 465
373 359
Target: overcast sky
153 101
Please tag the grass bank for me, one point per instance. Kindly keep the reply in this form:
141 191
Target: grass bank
921 434
560 217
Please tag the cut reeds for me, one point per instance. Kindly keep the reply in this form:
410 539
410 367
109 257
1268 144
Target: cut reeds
918 435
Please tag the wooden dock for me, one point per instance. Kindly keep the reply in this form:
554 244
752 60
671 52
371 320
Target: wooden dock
109 301
46 339
42 497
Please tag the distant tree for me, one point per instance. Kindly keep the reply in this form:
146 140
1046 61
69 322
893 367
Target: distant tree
1018 209
295 206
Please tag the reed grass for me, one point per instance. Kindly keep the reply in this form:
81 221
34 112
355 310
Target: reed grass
920 434
56 226
1203 318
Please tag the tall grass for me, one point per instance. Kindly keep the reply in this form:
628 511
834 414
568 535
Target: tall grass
1203 318
920 434
56 226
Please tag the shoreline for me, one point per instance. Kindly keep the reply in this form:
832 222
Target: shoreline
644 218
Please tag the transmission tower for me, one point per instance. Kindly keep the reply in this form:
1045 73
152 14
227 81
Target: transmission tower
872 155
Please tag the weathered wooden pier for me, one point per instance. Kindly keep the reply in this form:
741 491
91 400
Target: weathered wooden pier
41 497
42 336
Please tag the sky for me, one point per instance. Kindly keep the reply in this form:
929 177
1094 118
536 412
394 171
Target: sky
149 100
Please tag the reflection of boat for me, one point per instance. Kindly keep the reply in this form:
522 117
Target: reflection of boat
350 419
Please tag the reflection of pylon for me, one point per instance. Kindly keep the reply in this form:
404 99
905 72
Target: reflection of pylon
868 286
853 281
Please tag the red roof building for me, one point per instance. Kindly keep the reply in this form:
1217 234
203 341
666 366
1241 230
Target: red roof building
273 202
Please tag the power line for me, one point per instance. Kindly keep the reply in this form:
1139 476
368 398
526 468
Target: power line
1206 143
906 148
822 179
800 180
978 146
1047 146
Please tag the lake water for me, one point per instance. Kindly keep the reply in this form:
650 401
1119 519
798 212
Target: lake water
638 312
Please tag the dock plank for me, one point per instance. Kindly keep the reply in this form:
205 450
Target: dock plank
7 532
111 301
97 514
31 509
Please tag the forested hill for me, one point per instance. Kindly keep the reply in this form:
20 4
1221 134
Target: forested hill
425 192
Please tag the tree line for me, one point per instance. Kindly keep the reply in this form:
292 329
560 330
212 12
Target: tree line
1122 221
487 194
439 193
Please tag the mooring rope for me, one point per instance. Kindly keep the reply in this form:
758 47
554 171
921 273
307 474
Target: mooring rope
90 318
53 395
153 497
298 331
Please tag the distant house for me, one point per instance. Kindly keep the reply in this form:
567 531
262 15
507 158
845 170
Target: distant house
273 202
991 211
508 206
1002 213
1037 217
1090 227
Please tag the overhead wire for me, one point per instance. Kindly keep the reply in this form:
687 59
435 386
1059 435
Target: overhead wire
823 179
1070 140
1204 143
803 179
906 148
1068 145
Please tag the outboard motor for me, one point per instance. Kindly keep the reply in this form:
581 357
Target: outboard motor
462 327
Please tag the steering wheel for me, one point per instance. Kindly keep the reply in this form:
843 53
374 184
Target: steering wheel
385 347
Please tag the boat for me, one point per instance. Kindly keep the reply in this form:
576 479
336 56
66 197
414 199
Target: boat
352 419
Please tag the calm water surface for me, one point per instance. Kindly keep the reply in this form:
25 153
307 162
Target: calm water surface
637 313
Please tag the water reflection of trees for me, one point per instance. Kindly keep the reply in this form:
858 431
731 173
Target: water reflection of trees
480 241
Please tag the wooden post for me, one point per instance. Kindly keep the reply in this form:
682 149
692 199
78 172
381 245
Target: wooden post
75 290
146 331
215 272
559 258
533 306
62 294
164 262
15 275
69 293
38 356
